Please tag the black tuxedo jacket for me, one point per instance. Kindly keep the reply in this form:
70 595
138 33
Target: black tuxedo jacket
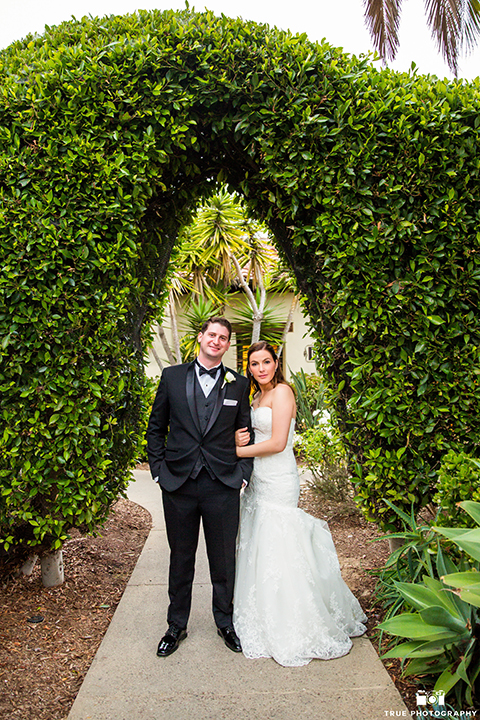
174 438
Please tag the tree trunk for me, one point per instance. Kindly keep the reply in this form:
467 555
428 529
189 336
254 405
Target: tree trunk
286 329
395 543
166 346
52 569
27 567
175 336
157 358
257 310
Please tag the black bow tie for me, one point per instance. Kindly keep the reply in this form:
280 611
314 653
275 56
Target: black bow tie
204 371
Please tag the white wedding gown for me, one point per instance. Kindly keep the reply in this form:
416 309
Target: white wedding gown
290 601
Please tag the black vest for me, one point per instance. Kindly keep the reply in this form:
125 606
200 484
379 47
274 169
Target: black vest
204 407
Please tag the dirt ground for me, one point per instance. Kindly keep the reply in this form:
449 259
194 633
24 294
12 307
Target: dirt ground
42 664
50 636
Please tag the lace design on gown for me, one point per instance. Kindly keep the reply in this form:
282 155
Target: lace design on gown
291 602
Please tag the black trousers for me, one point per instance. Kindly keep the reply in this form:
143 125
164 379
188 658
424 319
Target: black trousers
218 506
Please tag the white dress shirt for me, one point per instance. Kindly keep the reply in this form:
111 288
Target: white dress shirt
207 382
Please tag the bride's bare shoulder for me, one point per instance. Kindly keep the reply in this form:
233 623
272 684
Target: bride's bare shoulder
284 399
282 391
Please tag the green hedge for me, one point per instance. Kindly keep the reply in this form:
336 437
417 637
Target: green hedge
110 131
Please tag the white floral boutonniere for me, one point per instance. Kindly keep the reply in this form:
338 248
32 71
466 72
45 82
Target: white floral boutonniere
229 377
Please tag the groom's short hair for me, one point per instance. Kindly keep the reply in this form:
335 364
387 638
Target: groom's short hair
219 321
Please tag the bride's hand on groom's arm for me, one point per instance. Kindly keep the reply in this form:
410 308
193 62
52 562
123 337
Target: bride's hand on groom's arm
242 437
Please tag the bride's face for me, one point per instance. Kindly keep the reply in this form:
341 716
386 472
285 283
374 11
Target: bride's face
263 367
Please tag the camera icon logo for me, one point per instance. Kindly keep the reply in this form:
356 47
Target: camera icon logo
430 697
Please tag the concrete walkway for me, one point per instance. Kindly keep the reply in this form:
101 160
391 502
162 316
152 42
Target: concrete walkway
203 679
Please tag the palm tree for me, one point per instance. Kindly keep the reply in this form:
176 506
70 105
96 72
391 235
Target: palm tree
219 230
250 330
223 246
454 24
231 242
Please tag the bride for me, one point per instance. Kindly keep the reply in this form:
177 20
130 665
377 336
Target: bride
290 600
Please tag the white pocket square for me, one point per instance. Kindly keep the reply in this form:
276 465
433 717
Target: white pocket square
227 401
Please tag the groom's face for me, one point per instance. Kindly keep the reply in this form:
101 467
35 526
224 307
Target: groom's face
214 343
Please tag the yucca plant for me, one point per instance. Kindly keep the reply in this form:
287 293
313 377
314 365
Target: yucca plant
272 323
444 632
309 392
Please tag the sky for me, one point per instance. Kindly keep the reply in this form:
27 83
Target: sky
340 22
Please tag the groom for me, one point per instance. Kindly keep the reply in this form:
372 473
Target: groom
191 450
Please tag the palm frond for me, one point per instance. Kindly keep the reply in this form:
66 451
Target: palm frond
471 24
382 18
272 323
445 20
454 25
261 258
218 231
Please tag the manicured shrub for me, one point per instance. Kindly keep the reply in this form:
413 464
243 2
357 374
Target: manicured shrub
458 480
112 129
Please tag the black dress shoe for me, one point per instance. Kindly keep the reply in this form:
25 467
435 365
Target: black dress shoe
171 640
230 637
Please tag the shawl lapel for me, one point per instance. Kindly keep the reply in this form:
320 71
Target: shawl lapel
220 397
190 391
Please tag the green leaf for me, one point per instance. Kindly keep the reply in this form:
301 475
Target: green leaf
439 616
416 648
415 627
472 508
449 599
401 513
436 319
425 597
468 540
447 681
468 580
426 666
471 596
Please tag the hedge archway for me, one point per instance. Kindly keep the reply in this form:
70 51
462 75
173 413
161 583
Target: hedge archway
110 131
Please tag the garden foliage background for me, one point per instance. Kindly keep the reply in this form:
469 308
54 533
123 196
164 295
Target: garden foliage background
112 129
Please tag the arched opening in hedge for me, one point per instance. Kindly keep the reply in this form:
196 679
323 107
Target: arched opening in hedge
112 129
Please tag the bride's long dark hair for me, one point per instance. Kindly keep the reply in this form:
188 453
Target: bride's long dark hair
277 378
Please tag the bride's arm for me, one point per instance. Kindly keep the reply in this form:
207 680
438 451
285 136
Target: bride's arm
283 409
